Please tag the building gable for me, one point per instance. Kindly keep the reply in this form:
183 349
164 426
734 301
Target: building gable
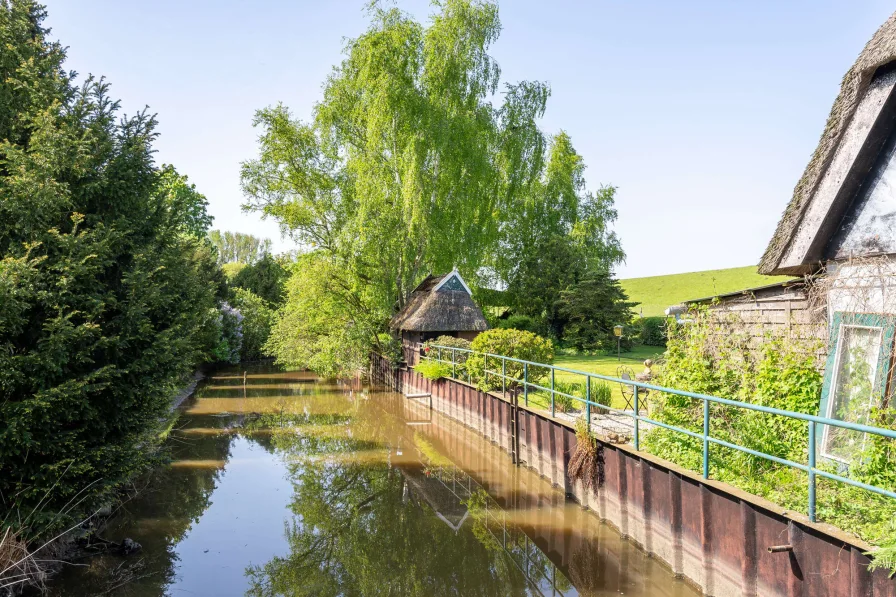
869 226
453 281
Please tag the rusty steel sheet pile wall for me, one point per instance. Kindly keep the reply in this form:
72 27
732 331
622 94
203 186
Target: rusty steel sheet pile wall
711 533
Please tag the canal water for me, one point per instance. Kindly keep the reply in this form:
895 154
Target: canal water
280 483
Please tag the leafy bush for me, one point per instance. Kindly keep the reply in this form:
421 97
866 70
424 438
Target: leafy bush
258 318
516 344
601 393
433 369
653 331
230 338
519 322
565 403
715 357
266 278
451 342
390 347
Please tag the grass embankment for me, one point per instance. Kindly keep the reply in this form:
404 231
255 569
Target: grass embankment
656 293
600 364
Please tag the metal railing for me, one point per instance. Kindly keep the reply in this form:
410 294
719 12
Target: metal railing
814 422
536 570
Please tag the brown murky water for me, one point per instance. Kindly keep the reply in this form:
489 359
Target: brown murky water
289 485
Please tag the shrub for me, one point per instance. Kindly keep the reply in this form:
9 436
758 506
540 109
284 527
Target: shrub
563 402
433 369
266 278
258 318
519 322
390 347
653 331
230 340
601 393
450 342
516 344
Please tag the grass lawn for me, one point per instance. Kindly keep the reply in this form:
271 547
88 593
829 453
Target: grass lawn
601 364
656 293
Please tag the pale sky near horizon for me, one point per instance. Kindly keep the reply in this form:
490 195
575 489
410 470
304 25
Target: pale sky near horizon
703 114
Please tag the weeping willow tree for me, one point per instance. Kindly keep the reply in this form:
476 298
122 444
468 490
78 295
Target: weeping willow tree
413 162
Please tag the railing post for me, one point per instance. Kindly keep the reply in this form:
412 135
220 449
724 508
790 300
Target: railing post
503 377
637 416
553 410
454 363
706 439
588 400
526 383
485 370
812 471
440 355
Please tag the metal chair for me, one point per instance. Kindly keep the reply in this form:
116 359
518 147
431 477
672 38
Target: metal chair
628 392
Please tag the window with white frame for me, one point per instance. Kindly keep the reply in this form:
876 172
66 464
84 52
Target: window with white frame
855 380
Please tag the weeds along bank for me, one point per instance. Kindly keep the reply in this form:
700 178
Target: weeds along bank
716 353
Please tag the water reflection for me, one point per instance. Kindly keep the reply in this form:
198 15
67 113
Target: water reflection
283 485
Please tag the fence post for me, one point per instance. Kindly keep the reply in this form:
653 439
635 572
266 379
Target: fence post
637 416
588 400
454 363
526 383
485 370
706 439
811 471
553 410
503 377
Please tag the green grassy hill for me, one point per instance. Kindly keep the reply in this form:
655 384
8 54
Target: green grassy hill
656 293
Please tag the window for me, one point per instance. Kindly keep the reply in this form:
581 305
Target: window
855 379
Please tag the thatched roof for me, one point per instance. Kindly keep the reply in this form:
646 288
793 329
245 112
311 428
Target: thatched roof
435 306
880 51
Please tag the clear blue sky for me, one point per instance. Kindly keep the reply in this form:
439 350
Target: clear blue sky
704 114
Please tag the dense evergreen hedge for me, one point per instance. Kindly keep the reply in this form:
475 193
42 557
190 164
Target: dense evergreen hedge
107 285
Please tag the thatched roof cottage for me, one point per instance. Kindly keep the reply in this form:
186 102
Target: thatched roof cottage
439 306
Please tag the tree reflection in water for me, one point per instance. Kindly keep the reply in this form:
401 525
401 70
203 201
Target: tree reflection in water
361 529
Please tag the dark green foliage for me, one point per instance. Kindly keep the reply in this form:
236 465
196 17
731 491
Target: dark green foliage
104 286
519 322
556 236
591 308
653 331
265 278
258 318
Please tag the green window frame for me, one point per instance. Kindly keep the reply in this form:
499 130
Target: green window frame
845 326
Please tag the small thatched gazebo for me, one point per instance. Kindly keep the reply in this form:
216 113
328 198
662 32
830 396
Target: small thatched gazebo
439 306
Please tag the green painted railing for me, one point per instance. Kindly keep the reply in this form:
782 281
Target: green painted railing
814 422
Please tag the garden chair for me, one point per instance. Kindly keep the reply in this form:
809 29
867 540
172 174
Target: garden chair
628 392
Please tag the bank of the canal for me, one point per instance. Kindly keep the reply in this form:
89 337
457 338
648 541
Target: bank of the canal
715 535
288 484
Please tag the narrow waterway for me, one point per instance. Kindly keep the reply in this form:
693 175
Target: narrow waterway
284 484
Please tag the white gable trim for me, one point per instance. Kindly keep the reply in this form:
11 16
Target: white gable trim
806 245
454 273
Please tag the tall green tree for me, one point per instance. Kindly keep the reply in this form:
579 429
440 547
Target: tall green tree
557 235
407 166
105 285
237 247
591 308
